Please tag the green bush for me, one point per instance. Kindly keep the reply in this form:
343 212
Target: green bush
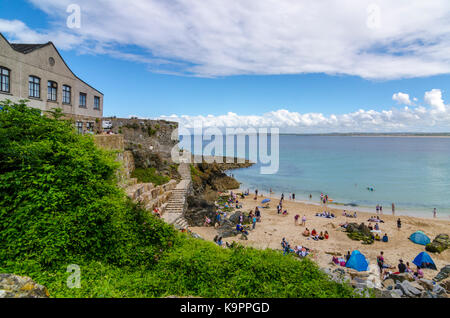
148 175
59 199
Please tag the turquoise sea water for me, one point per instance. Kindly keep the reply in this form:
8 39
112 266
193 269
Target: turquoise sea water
412 172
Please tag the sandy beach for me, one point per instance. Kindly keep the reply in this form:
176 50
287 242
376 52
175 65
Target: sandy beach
273 227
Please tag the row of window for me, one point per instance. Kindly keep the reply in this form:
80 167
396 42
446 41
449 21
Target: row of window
89 127
34 89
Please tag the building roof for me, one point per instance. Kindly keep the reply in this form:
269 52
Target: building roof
26 48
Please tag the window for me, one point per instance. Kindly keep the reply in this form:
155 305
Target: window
90 127
34 87
4 79
52 91
83 100
79 127
67 94
96 102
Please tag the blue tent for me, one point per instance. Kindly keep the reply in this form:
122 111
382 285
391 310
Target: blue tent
423 260
420 238
357 261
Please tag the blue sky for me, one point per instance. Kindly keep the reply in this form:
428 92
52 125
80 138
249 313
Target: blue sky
240 67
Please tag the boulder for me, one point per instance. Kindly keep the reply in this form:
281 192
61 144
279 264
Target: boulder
408 289
427 294
443 274
13 286
396 293
426 283
389 283
446 285
439 290
440 243
401 277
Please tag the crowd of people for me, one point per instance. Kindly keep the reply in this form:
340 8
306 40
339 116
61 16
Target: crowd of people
300 251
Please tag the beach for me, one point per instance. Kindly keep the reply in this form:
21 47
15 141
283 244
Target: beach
274 227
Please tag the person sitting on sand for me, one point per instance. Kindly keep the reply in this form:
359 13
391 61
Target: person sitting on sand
377 237
314 233
401 267
306 232
354 215
285 212
399 224
418 274
321 237
344 225
326 235
241 229
370 226
347 257
385 238
283 243
408 268
377 228
207 221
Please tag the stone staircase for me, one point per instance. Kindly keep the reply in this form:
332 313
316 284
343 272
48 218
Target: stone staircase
177 204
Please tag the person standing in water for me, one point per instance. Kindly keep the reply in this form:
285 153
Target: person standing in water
393 209
434 212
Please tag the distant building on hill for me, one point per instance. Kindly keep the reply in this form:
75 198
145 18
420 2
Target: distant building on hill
38 73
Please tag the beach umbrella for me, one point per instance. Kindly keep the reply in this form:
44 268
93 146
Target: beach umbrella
265 201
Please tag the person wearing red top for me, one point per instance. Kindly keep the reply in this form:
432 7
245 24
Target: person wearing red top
326 235
314 233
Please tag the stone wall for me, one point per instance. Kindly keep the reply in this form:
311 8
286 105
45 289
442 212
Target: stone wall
151 196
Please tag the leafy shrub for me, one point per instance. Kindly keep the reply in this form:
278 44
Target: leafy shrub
148 175
59 199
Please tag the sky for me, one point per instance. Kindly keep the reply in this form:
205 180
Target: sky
301 66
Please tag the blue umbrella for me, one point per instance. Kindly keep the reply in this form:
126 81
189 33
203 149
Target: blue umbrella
265 201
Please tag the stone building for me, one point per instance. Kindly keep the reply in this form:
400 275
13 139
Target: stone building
38 73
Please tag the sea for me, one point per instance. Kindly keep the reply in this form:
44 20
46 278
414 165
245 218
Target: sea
356 172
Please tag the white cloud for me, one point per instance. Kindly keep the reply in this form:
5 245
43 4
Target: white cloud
231 37
435 118
434 99
402 98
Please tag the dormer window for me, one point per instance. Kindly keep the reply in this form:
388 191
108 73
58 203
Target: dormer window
52 92
4 79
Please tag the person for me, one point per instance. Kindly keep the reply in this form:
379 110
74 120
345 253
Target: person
207 221
296 219
326 235
385 238
401 267
321 237
282 197
310 196
258 214
377 237
393 209
285 212
419 273
377 228
399 224
219 241
380 261
241 229
378 208
381 209
306 232
313 233
408 269
157 212
354 214
304 220
370 226
283 243
347 257
434 213
254 222
293 196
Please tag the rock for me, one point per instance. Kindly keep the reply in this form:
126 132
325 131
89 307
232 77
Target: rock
440 243
361 291
13 286
446 285
438 289
396 293
426 283
407 289
427 294
443 274
388 283
401 277
382 293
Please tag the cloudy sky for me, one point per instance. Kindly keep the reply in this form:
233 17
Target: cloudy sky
303 66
